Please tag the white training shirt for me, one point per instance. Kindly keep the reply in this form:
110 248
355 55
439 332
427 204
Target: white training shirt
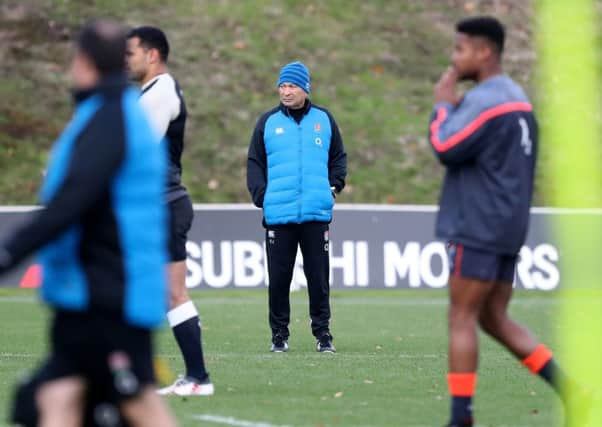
160 101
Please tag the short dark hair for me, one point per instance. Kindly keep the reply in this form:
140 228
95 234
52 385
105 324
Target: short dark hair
104 42
484 26
152 38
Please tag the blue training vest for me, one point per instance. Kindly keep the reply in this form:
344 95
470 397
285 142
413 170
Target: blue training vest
298 188
138 207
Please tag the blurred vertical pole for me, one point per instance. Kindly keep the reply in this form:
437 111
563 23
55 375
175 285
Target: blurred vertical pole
570 117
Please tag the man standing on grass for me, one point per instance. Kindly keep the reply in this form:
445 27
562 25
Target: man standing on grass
296 164
162 99
487 140
101 236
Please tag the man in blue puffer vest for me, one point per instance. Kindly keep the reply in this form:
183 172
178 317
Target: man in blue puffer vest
296 165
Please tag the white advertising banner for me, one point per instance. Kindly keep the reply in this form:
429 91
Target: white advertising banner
371 246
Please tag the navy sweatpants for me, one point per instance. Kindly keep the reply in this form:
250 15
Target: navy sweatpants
281 246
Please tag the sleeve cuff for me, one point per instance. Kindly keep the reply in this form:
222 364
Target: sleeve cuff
448 106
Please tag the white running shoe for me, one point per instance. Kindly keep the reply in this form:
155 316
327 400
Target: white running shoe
166 391
185 386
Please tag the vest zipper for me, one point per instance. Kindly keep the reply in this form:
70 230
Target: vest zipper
299 199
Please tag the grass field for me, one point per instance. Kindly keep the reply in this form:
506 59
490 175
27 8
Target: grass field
389 369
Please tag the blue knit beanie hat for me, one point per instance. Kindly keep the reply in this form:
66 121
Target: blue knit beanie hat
297 74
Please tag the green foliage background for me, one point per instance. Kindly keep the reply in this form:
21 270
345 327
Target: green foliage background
373 65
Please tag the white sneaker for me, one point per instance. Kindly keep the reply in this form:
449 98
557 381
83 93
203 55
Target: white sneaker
166 391
185 386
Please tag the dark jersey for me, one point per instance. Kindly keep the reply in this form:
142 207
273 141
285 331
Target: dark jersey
488 144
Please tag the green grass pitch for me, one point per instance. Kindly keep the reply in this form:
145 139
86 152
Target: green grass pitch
389 369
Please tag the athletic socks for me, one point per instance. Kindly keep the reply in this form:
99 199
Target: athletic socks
461 388
185 323
462 385
541 362
578 400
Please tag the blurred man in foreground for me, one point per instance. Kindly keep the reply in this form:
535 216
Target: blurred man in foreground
101 240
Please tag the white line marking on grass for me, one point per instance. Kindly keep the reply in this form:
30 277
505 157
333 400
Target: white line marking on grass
18 208
401 301
19 355
364 354
230 421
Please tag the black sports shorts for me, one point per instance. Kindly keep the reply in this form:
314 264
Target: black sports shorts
113 357
477 264
98 411
180 221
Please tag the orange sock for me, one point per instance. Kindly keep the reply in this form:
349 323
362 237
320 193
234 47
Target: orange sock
462 384
538 359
